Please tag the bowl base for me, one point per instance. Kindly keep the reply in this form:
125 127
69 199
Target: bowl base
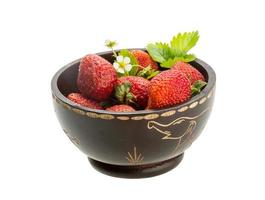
137 171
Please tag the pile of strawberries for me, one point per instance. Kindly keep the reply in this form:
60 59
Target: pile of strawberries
136 80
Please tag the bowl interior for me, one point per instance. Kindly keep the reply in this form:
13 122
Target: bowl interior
67 80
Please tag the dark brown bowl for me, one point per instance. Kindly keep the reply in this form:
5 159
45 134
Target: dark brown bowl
134 144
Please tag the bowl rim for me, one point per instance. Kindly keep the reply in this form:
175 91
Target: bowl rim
57 93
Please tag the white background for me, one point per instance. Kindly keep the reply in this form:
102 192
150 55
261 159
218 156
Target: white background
37 161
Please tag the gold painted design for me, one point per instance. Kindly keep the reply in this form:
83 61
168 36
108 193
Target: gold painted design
134 157
167 135
210 94
124 118
168 113
151 116
137 118
92 115
78 111
183 109
106 116
194 104
202 100
74 140
66 106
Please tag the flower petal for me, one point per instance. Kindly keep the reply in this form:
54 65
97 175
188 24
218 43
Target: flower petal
121 70
116 65
128 67
127 60
119 59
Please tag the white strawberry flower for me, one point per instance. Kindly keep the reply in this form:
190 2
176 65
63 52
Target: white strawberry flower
122 64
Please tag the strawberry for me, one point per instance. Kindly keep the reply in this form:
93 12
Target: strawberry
144 59
96 77
132 89
83 101
121 108
170 87
192 73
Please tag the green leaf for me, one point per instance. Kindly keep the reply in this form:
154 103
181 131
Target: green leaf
168 54
125 52
119 74
134 70
170 62
133 61
189 58
159 52
183 42
197 87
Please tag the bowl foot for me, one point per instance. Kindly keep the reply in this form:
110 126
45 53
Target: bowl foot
137 171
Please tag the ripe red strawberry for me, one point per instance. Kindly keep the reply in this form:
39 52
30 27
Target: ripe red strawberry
168 88
132 89
121 108
96 77
192 73
144 59
83 101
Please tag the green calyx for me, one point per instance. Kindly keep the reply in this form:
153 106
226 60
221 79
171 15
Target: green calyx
122 93
197 87
109 102
148 72
167 54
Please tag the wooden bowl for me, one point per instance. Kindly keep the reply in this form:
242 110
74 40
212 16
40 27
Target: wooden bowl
134 144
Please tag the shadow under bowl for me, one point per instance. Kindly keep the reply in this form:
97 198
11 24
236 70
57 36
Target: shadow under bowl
133 144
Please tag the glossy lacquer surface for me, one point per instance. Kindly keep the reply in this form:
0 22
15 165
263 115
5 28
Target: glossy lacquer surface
137 144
